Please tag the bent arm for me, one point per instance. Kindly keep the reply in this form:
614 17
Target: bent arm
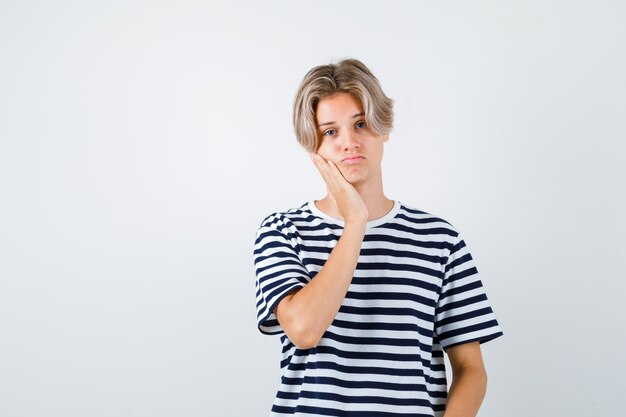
469 380
306 313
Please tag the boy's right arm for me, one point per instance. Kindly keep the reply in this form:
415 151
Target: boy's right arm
305 314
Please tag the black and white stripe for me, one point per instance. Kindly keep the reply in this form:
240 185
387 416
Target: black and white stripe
415 292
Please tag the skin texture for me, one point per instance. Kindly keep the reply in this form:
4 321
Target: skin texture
355 195
469 380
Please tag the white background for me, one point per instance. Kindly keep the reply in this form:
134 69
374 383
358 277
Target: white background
142 143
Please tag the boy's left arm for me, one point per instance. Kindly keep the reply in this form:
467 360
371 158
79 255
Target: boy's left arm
469 380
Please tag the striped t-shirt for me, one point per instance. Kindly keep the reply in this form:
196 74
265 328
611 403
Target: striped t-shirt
415 292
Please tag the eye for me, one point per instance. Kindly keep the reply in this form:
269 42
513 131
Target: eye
329 132
360 124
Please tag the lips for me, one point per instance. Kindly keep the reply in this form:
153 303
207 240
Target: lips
353 159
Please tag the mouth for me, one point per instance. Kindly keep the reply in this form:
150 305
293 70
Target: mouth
354 160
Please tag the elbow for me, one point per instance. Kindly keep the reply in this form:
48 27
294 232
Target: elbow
476 374
304 337
483 386
479 376
300 333
305 341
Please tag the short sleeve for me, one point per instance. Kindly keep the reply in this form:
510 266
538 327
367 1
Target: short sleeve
463 313
279 271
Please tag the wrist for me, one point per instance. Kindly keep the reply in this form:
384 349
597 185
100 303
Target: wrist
355 225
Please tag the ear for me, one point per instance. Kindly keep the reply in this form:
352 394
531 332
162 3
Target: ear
385 138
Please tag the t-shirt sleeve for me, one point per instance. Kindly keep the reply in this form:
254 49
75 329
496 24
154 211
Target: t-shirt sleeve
279 271
463 313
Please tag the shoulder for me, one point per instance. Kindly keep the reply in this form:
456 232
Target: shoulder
432 223
285 220
429 229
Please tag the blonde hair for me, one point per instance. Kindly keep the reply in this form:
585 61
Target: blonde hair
347 76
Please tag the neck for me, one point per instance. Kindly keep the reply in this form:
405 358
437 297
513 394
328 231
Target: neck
373 196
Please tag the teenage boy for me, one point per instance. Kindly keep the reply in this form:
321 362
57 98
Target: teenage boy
366 292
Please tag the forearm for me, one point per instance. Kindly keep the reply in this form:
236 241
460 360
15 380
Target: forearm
467 392
307 314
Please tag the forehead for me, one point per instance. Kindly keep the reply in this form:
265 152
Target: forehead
338 106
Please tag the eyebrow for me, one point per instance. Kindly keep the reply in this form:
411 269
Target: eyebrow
330 123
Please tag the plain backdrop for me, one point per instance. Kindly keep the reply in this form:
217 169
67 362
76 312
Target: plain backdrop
142 143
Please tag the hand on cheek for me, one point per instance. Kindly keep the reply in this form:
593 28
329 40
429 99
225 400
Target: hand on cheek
347 199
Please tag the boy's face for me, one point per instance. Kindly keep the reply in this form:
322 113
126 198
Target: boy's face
344 132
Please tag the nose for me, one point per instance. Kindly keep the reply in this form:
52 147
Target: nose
349 140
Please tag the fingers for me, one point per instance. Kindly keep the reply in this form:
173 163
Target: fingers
336 183
324 168
335 170
322 164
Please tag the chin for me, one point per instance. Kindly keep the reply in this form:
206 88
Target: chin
354 179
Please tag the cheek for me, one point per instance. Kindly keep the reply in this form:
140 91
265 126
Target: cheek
327 156
324 151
